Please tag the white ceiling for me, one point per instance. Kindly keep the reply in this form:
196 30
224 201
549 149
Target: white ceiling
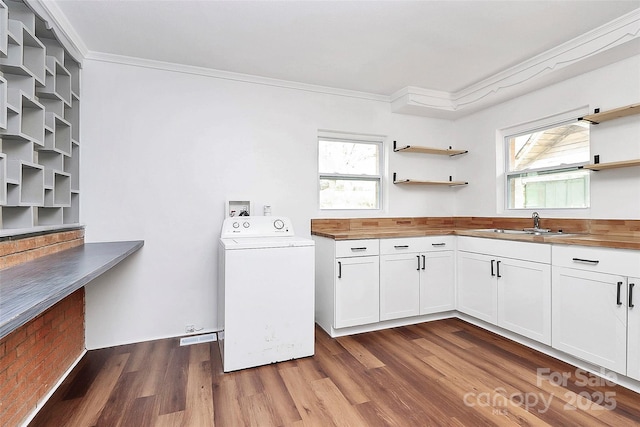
377 47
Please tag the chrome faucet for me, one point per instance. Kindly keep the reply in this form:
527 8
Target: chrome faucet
536 220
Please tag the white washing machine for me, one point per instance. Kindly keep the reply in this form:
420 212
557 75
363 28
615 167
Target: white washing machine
265 292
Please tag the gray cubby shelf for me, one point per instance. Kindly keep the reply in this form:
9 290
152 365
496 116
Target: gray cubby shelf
39 123
25 53
3 179
57 134
25 118
29 190
57 186
57 82
4 24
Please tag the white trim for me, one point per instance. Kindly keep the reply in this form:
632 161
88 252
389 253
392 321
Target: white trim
47 396
228 75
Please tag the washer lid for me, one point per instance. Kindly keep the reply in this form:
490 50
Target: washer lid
265 242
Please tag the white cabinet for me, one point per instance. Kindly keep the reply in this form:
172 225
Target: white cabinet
514 294
417 276
357 290
594 316
347 283
633 328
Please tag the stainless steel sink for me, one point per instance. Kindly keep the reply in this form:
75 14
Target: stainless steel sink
526 231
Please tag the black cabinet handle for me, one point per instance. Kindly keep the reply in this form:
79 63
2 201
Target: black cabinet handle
586 261
498 268
438 244
401 246
631 285
359 249
418 256
618 294
339 270
492 261
424 262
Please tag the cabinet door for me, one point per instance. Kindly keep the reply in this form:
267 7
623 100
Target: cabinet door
399 285
357 291
437 282
589 312
633 334
524 298
477 289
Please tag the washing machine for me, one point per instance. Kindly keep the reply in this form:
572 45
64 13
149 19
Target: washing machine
265 292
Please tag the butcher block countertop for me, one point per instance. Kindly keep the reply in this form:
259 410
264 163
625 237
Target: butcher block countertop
620 234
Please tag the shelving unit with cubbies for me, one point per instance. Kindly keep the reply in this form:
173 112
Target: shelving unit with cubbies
428 150
39 135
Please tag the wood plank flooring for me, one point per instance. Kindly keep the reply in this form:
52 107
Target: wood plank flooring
444 373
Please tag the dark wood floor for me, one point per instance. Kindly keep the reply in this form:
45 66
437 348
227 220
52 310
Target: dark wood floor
433 374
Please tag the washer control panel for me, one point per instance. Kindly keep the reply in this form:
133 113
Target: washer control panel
256 226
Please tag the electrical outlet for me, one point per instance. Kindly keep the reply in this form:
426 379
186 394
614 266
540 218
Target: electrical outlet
189 329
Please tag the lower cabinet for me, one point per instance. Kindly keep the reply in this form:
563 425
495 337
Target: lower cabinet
417 276
347 283
588 322
514 294
595 317
356 287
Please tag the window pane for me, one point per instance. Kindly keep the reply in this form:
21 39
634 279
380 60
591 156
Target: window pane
339 157
569 189
348 194
562 145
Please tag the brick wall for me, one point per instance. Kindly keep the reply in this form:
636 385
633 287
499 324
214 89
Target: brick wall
36 355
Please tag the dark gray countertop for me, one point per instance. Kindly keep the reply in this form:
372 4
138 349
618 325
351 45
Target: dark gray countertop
29 289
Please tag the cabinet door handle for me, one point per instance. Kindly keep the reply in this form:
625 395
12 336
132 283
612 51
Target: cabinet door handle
401 246
359 249
618 294
492 262
586 261
424 262
438 244
498 268
631 285
418 256
339 270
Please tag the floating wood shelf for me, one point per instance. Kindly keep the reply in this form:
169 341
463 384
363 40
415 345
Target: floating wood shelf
428 150
612 165
617 113
449 183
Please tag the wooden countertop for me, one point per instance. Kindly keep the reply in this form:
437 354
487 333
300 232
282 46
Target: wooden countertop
29 289
596 240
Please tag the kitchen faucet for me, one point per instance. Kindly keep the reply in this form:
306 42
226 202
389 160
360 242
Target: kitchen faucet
536 220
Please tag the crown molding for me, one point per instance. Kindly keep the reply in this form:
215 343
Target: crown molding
57 22
228 75
609 43
604 45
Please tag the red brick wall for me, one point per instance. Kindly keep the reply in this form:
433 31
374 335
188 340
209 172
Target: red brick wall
35 356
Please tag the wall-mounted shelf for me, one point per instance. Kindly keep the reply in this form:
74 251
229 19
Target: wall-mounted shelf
449 183
617 113
612 165
428 150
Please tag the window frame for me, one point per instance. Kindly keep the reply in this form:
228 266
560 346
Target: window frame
379 177
508 174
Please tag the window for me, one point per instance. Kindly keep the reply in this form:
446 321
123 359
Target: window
543 167
350 173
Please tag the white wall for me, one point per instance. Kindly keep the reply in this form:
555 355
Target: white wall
614 194
161 151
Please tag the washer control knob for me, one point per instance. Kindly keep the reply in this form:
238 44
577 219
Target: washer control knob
236 224
278 224
246 224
